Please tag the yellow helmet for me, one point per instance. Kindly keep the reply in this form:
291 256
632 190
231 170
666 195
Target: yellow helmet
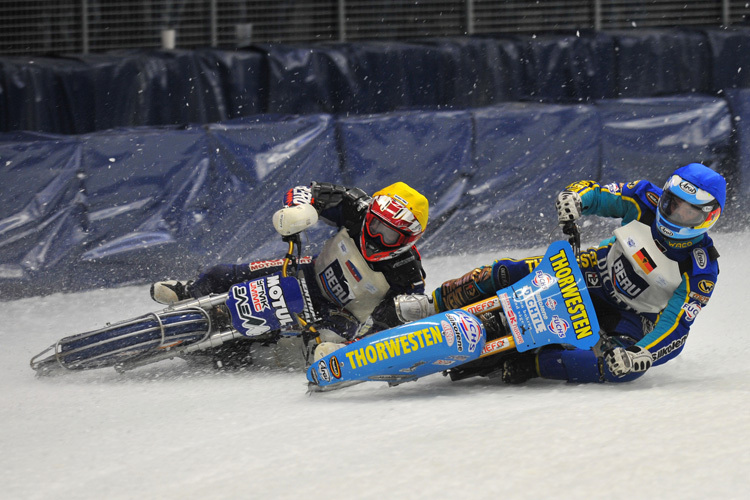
396 219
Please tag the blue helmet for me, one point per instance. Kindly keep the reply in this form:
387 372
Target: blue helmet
691 202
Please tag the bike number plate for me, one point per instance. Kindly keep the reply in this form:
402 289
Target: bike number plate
264 304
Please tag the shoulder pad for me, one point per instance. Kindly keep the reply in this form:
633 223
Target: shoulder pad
652 198
702 260
358 197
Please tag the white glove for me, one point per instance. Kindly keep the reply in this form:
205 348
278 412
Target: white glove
413 307
568 207
621 361
292 220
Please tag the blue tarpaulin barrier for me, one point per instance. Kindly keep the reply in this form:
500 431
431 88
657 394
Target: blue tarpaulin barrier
42 224
256 161
525 153
140 204
649 138
432 152
125 205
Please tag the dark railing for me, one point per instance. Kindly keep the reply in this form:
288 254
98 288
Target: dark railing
89 26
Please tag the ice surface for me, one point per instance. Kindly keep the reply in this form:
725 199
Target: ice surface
166 432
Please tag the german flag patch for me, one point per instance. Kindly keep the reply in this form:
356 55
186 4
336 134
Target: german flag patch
644 260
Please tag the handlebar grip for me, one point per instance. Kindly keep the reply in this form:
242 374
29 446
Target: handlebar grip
291 220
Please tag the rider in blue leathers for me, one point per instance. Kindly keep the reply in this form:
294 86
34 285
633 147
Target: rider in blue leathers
641 329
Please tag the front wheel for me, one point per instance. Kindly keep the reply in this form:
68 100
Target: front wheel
150 334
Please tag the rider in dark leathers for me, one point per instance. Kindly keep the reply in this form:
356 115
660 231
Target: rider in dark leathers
352 294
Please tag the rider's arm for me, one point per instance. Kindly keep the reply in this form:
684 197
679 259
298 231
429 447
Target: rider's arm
339 205
673 324
625 201
336 204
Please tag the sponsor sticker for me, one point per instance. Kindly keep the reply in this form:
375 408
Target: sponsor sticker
700 298
323 370
592 279
335 284
666 232
688 188
701 259
706 286
413 367
335 366
542 280
558 326
496 345
482 306
691 310
444 362
626 280
299 195
510 315
450 337
258 297
458 357
465 326
613 188
265 264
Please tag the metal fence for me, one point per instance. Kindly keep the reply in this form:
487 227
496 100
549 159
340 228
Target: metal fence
31 27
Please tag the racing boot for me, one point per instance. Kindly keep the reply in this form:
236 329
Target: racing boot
519 368
171 291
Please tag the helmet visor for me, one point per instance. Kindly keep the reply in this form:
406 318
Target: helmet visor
387 235
680 212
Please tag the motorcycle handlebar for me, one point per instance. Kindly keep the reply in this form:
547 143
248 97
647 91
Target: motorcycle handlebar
573 232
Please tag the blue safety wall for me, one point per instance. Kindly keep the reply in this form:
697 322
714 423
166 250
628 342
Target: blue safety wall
135 204
96 194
